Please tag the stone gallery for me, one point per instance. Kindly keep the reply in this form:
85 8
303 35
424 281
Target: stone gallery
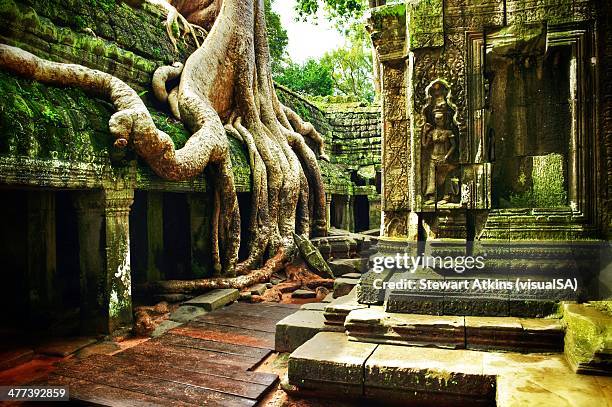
179 229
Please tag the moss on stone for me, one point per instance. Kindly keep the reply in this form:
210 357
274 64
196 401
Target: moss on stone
588 335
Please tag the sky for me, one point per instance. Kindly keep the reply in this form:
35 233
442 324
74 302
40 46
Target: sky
306 40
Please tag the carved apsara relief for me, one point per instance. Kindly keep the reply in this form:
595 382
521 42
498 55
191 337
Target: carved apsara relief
439 140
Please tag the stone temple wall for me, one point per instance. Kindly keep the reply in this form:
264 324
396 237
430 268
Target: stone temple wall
351 132
485 62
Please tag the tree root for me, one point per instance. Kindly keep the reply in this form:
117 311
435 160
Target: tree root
174 18
195 287
225 88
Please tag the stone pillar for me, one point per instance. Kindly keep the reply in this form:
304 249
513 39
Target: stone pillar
328 199
350 213
201 244
104 256
155 235
118 271
388 31
41 254
374 209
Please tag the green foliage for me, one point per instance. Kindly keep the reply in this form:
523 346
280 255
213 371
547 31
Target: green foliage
313 77
339 11
351 67
277 36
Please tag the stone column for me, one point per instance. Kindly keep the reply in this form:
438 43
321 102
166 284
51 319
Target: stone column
118 271
201 245
328 199
41 255
374 209
104 256
350 213
155 235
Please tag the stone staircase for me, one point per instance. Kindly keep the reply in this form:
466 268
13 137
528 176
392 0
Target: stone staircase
365 352
455 332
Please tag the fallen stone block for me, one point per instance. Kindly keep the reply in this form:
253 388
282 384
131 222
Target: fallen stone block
164 327
329 363
296 329
343 286
186 313
215 299
303 294
344 266
258 289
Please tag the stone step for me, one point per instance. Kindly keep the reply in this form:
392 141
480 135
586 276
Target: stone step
214 299
331 365
335 312
296 329
456 332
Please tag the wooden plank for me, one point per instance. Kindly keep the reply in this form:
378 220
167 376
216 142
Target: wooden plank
239 321
214 346
151 386
178 356
175 374
258 310
86 392
212 368
227 334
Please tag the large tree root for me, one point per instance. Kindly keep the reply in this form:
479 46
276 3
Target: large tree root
194 287
225 88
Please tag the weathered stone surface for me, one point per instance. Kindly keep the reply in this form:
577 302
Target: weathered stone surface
303 294
588 339
344 266
314 306
343 286
367 293
492 332
428 376
215 299
186 313
64 347
337 310
164 327
544 380
328 298
545 388
329 363
258 289
377 326
296 329
355 276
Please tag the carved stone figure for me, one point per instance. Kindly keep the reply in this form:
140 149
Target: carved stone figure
439 139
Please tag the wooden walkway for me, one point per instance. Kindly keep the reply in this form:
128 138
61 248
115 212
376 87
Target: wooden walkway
204 362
